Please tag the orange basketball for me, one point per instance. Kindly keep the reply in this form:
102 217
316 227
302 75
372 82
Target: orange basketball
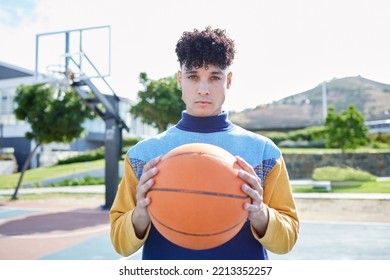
197 201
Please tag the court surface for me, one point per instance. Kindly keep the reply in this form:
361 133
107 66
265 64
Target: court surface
83 234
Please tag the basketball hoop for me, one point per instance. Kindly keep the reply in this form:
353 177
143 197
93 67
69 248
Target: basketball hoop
59 77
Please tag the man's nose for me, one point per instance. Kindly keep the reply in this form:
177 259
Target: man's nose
204 88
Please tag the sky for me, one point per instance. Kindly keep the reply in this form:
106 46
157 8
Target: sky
283 47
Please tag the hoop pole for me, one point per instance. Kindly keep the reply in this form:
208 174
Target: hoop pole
81 48
66 49
36 57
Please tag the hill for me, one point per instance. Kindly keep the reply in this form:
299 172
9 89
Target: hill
371 98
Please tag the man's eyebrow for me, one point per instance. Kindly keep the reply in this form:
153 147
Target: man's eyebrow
190 72
216 72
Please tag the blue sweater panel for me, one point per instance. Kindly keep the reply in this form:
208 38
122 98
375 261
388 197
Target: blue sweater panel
258 151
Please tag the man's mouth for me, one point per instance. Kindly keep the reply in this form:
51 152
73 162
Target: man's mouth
203 102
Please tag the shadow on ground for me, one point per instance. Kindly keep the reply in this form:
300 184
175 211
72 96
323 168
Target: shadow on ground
59 221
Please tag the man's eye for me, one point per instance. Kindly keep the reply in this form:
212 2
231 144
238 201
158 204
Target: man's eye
215 78
192 77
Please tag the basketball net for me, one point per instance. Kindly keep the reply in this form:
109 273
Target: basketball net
59 78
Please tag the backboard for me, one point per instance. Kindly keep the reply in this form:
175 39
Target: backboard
85 51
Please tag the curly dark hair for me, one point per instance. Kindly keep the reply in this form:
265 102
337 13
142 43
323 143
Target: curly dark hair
201 48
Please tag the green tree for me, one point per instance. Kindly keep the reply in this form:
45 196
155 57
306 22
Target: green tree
159 103
345 130
54 116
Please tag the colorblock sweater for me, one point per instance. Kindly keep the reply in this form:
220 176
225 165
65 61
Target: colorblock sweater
260 152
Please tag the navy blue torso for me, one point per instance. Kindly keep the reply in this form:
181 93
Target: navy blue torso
243 246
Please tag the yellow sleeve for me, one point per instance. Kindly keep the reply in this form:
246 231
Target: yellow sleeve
283 226
123 235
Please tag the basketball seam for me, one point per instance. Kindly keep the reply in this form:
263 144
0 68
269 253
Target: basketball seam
198 234
197 153
235 196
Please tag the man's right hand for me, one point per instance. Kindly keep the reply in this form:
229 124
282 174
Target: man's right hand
140 217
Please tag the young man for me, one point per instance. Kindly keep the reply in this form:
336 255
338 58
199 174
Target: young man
204 76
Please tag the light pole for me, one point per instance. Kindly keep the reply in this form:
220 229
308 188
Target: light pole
324 102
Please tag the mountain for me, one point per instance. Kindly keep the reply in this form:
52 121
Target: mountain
371 98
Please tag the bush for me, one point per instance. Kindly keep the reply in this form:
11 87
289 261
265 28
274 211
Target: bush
302 144
335 173
310 137
379 137
86 181
99 153
88 156
128 142
7 157
275 136
309 134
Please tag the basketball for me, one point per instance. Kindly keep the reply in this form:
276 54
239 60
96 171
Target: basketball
196 200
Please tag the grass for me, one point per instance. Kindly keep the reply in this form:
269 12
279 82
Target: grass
363 187
335 173
36 175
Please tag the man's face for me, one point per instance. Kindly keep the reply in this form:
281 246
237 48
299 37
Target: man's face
204 89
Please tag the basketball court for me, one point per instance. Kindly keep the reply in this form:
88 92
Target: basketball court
58 231
53 230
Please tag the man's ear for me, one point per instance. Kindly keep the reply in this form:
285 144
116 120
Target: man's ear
179 77
229 80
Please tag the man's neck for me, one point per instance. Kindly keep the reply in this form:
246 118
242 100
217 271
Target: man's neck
208 124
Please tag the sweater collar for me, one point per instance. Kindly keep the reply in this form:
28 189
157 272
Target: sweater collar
204 124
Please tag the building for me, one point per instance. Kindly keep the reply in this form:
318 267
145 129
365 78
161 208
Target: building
12 131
